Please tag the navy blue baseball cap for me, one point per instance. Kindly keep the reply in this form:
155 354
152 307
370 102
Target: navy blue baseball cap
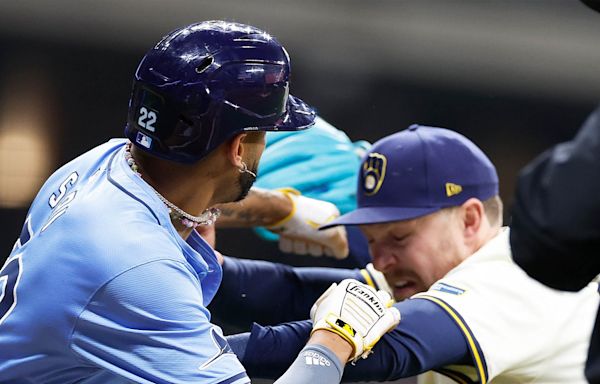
418 171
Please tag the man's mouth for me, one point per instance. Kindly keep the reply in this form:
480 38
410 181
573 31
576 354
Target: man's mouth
403 289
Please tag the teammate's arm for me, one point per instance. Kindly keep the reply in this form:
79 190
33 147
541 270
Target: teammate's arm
348 320
321 360
425 339
295 218
262 207
241 298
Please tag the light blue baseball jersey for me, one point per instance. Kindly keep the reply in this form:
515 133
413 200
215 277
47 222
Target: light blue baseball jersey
100 287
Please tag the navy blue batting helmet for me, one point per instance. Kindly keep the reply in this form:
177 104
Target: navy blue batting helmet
206 82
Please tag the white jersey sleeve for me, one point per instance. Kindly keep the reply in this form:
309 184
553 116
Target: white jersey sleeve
518 330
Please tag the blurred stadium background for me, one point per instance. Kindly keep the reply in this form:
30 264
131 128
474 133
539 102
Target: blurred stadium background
515 76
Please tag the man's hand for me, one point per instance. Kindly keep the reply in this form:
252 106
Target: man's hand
299 230
357 313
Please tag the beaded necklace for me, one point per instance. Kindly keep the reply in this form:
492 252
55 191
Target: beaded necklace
207 217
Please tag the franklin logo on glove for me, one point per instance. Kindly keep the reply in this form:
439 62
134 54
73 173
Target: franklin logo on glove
368 295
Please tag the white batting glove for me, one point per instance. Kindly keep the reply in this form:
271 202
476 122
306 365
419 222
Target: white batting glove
357 313
299 231
376 279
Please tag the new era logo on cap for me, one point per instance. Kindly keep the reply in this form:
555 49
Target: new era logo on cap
418 171
453 189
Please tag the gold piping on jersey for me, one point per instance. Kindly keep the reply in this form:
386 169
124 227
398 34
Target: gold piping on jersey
367 278
479 360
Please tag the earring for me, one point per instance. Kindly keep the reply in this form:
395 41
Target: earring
245 169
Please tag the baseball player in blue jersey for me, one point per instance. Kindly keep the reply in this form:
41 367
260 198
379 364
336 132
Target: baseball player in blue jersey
109 282
428 204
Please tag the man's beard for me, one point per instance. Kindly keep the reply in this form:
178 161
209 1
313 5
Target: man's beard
245 181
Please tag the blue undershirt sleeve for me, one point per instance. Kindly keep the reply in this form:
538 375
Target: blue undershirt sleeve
426 338
247 291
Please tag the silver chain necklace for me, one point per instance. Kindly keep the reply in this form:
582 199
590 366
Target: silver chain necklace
207 217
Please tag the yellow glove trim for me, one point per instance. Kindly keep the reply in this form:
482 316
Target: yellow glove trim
316 225
287 191
342 329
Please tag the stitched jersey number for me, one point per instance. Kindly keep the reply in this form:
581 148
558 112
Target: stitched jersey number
147 119
9 279
10 274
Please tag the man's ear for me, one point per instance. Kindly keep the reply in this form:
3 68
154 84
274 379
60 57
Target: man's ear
235 150
472 216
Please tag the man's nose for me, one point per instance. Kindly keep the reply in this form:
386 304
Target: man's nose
383 260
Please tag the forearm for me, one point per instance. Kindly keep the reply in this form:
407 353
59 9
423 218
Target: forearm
260 208
246 284
426 338
270 350
322 360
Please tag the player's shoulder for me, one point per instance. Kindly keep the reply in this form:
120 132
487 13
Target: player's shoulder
75 171
490 277
106 230
488 273
113 211
89 161
129 234
100 219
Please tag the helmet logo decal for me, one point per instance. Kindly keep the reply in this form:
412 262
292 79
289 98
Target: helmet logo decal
143 140
373 172
453 189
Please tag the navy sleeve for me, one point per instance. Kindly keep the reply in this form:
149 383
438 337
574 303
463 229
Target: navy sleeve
270 293
426 338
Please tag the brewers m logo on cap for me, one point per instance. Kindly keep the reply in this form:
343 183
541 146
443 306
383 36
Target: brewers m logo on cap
373 172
